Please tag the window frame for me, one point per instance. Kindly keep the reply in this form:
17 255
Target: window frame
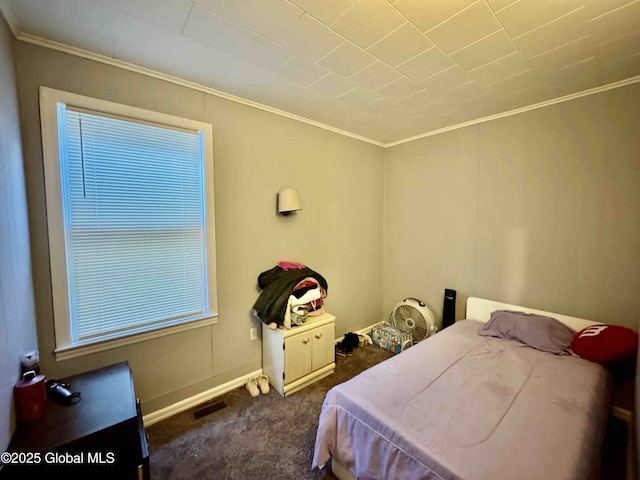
49 100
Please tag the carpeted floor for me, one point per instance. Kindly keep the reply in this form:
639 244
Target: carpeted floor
253 438
273 437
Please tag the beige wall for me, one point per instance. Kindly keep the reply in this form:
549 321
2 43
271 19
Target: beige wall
17 315
540 209
338 233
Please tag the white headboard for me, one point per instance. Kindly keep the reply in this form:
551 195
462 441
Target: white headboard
480 309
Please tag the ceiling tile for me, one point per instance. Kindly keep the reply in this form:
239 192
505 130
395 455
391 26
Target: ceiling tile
310 38
234 77
500 4
168 14
620 69
399 46
616 23
269 19
373 130
442 120
426 64
229 74
420 100
463 92
561 31
478 107
490 48
301 70
283 95
358 97
347 59
623 46
280 92
498 69
572 78
401 117
445 80
376 75
298 32
399 89
595 8
470 25
333 85
320 107
327 11
381 107
362 128
436 109
463 116
522 97
565 55
367 21
58 21
350 118
209 28
427 14
575 86
523 16
513 84
169 53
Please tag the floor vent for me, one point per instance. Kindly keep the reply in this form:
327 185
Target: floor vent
208 409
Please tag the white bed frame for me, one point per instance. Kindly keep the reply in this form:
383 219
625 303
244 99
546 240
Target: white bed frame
480 309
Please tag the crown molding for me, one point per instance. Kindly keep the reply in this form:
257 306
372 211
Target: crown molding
61 47
535 106
196 86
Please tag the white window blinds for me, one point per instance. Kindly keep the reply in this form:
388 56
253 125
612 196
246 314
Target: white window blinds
134 224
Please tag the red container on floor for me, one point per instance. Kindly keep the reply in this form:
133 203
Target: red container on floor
31 399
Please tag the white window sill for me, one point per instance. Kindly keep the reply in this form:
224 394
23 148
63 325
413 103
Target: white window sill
65 353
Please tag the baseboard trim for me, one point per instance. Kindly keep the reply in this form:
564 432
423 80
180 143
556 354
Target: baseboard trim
187 403
362 331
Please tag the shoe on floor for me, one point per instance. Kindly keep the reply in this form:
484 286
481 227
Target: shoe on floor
252 386
263 384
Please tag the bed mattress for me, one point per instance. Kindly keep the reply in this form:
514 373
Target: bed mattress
462 406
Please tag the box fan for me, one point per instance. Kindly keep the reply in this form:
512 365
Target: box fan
413 316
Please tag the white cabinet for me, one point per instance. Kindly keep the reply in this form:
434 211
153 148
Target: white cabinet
294 358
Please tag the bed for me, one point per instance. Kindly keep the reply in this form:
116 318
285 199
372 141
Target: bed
463 406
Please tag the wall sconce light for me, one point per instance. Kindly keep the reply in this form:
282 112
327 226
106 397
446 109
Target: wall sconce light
288 201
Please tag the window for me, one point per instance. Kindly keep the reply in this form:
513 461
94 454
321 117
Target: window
130 215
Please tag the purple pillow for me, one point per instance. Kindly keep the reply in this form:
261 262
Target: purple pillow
537 331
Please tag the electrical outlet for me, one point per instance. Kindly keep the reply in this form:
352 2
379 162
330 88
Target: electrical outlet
253 333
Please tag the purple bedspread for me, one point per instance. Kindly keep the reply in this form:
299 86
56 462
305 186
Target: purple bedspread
462 406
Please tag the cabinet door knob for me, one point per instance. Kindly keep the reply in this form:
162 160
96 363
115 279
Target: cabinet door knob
318 335
306 340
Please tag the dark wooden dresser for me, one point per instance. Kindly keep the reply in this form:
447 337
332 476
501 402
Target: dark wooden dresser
101 435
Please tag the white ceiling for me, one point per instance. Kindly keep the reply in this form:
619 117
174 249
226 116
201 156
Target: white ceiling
382 69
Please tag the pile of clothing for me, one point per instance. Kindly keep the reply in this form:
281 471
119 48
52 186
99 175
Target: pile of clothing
290 293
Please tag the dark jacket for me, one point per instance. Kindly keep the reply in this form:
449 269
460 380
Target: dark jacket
277 285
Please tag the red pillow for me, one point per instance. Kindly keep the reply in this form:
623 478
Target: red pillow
604 343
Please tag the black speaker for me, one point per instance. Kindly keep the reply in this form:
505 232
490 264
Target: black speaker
449 309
